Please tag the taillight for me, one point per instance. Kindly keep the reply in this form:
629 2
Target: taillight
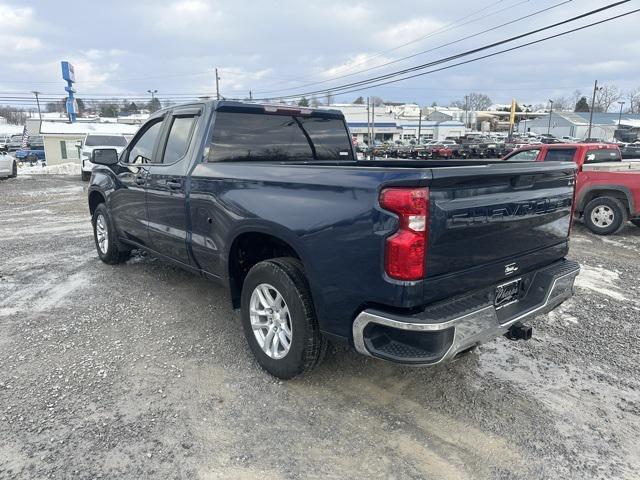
573 203
406 250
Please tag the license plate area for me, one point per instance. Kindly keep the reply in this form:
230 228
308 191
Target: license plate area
507 294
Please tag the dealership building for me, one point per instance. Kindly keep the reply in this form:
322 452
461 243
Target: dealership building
396 122
576 124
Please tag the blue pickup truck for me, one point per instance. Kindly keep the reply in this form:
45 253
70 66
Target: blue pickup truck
412 261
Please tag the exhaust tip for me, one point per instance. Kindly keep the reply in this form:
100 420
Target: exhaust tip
519 331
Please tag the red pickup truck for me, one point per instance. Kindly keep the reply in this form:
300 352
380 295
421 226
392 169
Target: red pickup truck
607 190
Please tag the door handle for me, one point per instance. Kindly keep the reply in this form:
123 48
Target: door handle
140 180
174 184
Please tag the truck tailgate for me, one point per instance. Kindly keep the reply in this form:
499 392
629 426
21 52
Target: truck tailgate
480 215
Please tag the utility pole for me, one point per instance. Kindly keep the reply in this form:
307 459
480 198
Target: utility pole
250 95
527 109
419 126
593 104
38 102
373 123
217 85
466 111
368 123
153 98
550 115
620 116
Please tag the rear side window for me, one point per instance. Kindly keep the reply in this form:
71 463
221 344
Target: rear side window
179 138
524 156
263 137
603 155
560 155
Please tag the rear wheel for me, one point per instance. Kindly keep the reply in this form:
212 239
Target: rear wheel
279 319
109 249
605 215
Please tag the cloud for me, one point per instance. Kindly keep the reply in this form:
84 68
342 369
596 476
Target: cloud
97 54
12 18
403 32
187 18
235 79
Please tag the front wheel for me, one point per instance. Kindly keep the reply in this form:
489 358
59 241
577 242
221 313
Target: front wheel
14 170
279 319
605 215
109 249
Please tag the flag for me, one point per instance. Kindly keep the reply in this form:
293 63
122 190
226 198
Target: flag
25 138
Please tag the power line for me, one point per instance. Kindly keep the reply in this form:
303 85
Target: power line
391 62
451 57
450 26
496 53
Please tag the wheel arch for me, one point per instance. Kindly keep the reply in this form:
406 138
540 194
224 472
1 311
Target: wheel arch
251 246
96 197
614 191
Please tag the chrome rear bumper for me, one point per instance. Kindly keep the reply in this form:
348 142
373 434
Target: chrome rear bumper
442 331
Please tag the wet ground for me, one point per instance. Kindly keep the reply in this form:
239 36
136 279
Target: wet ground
141 371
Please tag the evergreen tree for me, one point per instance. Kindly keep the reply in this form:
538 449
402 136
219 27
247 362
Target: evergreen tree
359 101
582 105
303 102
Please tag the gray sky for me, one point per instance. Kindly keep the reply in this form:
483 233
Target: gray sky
125 48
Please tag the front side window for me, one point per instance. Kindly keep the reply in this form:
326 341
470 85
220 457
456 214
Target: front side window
142 149
179 139
524 156
262 137
560 155
603 155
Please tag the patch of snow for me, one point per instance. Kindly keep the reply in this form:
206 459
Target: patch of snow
69 168
599 280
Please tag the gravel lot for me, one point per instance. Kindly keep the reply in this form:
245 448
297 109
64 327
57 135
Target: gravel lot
141 371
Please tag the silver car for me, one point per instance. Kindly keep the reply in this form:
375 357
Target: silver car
8 166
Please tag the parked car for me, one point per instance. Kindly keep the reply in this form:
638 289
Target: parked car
406 260
8 166
630 150
15 143
93 141
30 155
607 191
4 142
35 142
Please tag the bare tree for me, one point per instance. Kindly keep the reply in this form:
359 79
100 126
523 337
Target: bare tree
575 97
13 115
562 104
377 101
633 100
473 101
607 95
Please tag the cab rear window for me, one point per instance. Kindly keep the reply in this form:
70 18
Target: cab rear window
560 155
603 155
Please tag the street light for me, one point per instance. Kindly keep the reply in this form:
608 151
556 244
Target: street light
550 115
153 97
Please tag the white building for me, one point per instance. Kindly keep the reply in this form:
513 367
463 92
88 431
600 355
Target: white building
576 124
60 137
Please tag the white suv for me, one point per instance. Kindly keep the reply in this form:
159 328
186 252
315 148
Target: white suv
93 141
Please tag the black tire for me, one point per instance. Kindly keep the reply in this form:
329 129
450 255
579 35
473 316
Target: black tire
86 176
636 222
114 252
307 345
32 159
14 170
613 211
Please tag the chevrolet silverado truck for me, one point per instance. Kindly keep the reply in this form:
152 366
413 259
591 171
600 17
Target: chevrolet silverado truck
607 190
410 261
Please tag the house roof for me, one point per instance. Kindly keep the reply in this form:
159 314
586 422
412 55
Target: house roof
83 128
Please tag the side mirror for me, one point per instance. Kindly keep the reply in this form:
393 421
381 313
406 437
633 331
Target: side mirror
104 156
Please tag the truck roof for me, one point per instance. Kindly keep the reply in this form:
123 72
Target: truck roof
256 107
